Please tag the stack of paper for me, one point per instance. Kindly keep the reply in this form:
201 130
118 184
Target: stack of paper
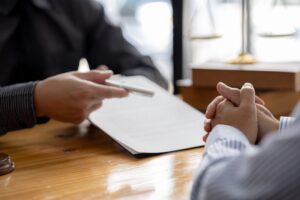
144 125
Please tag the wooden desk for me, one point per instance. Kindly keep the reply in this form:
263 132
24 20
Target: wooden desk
62 161
278 84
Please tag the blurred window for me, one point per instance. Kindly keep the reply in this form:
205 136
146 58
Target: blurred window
147 24
274 30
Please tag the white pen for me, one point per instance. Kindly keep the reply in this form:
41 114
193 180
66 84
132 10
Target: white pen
84 67
130 88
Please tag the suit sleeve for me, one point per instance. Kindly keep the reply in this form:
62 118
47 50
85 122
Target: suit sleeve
17 107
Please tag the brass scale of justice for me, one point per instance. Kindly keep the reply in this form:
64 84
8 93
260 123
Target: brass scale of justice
244 57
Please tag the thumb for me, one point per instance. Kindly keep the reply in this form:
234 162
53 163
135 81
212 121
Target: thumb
102 68
95 76
247 95
232 94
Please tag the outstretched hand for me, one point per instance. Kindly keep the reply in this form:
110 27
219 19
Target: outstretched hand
71 97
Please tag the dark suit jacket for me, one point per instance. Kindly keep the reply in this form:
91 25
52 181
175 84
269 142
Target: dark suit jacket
41 38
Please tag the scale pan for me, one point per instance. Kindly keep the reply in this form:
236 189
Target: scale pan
206 37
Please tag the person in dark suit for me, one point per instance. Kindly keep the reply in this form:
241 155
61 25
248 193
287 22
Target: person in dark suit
44 38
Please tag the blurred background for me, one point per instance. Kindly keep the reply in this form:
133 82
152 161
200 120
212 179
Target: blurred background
148 24
274 30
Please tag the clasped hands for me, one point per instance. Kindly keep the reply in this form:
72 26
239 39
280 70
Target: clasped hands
242 109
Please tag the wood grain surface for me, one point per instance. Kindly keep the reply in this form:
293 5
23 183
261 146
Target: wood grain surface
63 161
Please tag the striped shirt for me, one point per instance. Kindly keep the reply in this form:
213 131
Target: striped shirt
232 168
17 107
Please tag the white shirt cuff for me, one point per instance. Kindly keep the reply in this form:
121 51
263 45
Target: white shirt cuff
225 131
285 122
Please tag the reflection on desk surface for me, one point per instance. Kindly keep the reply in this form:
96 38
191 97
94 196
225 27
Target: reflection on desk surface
62 161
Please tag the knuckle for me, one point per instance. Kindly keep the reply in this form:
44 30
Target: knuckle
74 73
208 108
220 106
84 93
218 98
248 108
248 90
84 104
213 123
108 93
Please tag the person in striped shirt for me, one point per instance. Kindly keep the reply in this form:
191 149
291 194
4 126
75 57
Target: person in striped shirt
249 154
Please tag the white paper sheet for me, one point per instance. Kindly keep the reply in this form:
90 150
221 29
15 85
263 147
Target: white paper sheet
141 124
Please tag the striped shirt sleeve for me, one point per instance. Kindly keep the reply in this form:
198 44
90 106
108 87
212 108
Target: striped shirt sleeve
233 169
223 142
285 122
17 107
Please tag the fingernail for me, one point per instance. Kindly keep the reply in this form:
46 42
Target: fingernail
106 72
248 85
220 83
